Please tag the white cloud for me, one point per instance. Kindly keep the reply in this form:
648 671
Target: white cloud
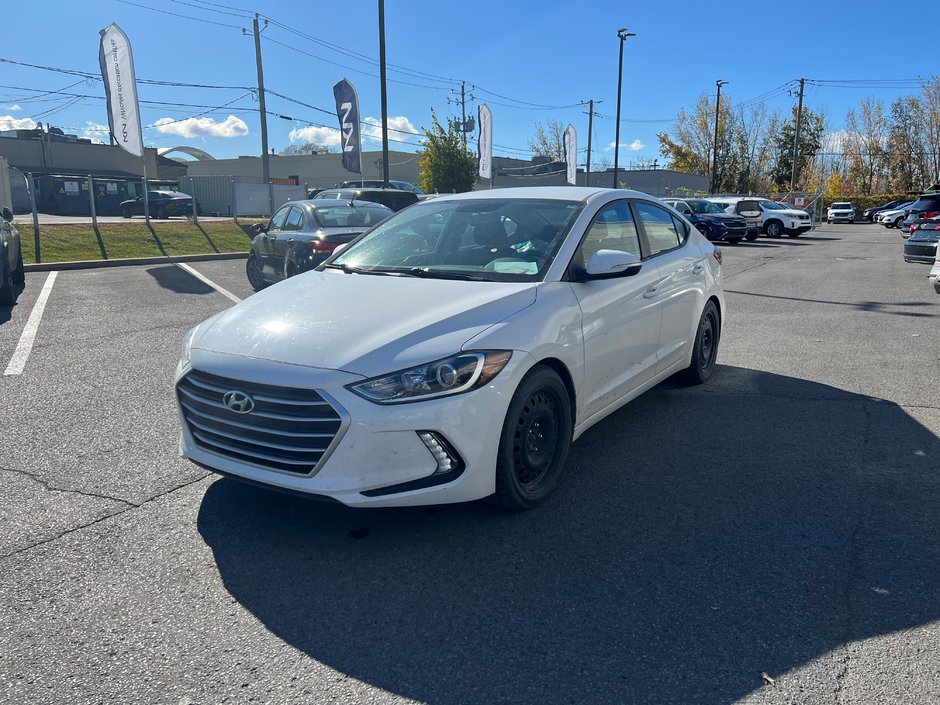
635 145
13 107
315 134
95 131
8 122
202 127
398 125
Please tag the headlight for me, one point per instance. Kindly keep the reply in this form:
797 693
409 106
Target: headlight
187 346
452 375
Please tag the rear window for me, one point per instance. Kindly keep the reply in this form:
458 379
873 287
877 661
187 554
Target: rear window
926 203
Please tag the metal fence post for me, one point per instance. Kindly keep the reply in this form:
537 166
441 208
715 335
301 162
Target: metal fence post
31 187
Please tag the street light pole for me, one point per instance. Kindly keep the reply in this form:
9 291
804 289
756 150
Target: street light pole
711 187
622 34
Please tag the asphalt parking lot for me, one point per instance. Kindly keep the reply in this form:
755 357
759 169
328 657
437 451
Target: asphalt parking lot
770 537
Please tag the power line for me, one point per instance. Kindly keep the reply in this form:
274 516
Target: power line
176 14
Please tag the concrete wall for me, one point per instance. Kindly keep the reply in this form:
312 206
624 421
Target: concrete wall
314 170
51 157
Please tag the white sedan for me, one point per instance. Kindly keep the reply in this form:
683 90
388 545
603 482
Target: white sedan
454 351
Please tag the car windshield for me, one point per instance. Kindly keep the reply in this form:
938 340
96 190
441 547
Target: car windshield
704 207
347 216
841 206
482 239
772 206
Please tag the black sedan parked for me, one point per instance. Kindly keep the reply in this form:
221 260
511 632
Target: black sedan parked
921 246
304 233
162 204
711 220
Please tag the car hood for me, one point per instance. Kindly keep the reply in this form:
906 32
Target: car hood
363 324
792 212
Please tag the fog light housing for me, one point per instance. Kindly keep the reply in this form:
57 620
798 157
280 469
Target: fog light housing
448 460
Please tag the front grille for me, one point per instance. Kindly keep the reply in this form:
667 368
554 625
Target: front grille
288 430
803 216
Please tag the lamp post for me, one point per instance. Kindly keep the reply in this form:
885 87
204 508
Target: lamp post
711 187
622 34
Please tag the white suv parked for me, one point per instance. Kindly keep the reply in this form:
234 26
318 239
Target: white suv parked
776 218
841 211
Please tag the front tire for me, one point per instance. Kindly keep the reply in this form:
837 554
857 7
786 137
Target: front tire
751 237
705 348
19 274
734 240
7 292
774 229
125 212
253 270
534 442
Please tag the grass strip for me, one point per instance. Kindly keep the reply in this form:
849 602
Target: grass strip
72 243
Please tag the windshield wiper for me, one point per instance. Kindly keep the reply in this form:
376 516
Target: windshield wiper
439 274
358 270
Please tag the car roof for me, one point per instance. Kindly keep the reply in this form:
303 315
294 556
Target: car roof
335 203
559 193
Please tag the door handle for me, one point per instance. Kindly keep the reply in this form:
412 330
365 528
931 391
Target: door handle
650 293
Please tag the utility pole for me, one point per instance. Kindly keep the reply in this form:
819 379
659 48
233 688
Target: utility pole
265 163
463 111
622 35
384 94
711 187
587 170
796 138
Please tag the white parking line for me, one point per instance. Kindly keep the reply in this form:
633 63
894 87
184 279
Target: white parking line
28 337
206 280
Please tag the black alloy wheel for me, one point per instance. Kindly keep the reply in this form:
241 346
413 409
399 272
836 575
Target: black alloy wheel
253 270
535 439
774 228
705 348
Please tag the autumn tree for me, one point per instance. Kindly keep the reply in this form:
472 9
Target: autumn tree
307 148
549 143
446 165
812 127
867 142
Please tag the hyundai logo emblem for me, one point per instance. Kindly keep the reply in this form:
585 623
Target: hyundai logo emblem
239 402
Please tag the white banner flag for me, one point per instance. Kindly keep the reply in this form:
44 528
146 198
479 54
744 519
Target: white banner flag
571 154
485 143
120 85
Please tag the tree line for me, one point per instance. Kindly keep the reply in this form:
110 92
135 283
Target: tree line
881 149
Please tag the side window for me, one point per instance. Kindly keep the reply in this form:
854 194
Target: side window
295 220
613 229
277 222
662 230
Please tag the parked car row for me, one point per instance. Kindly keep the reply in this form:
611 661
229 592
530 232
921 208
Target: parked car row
759 216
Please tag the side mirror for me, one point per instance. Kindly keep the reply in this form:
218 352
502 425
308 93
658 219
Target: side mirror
258 228
607 264
7 214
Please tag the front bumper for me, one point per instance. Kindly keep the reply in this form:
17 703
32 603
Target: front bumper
377 448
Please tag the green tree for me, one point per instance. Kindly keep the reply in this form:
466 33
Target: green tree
549 144
307 148
445 164
690 146
811 132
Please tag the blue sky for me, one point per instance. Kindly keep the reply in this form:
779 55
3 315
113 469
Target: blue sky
529 61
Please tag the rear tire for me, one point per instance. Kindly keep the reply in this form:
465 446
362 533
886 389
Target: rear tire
534 442
705 348
751 237
733 240
125 212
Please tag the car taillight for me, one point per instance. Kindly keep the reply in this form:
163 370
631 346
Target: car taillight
319 246
930 214
717 254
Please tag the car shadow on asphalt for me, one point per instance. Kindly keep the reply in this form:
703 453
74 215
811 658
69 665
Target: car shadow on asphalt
702 537
175 279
